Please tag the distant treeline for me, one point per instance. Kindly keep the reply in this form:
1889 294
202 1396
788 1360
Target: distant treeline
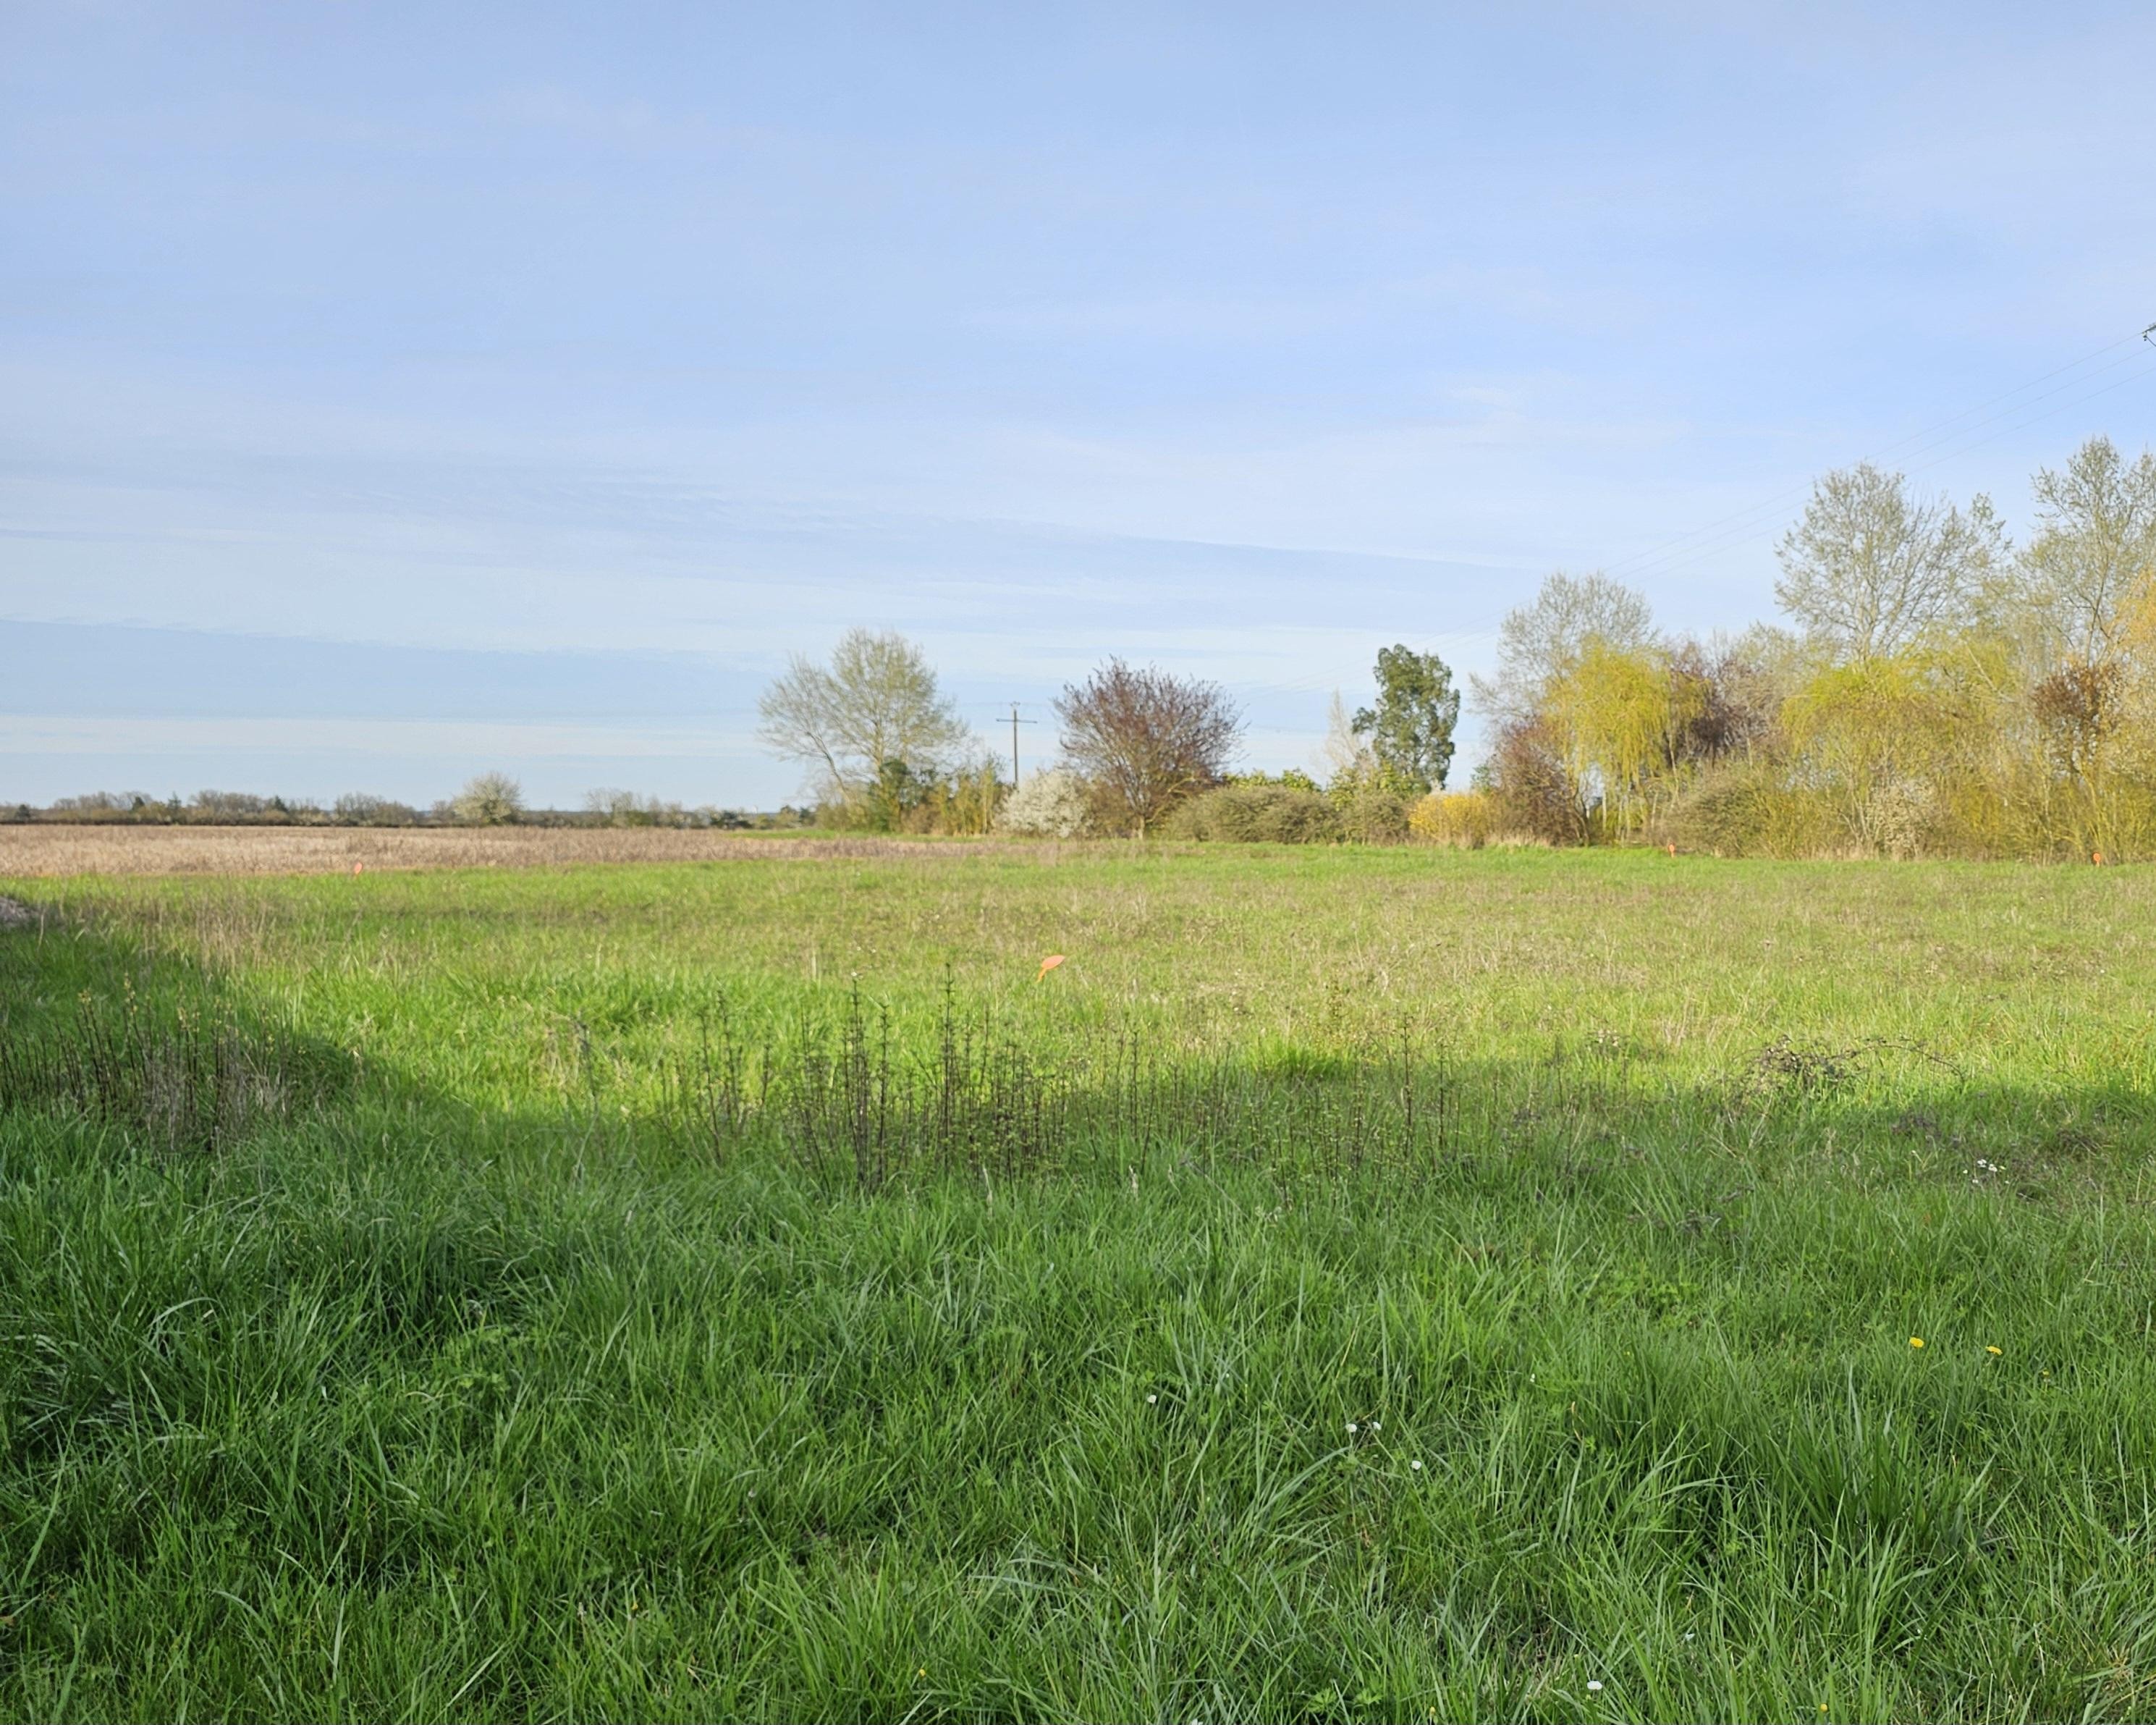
491 799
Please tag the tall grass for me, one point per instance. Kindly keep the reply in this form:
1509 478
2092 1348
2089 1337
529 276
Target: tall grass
746 1295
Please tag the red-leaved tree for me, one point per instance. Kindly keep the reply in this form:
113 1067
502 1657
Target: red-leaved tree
1144 740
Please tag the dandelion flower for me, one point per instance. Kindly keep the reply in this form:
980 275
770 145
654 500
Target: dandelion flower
1994 1352
1916 1341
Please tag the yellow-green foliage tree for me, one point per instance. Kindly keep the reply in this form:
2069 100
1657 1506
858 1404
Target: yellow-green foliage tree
1875 737
1617 716
1580 697
1935 692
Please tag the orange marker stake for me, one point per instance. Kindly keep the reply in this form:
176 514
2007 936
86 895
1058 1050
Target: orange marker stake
1048 964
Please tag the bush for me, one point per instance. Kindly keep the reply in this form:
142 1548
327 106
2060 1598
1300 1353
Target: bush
101 806
1258 814
230 807
493 799
1467 819
1749 808
1534 791
1052 805
359 809
1372 815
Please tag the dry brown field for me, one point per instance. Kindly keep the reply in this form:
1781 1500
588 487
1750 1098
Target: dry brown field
121 849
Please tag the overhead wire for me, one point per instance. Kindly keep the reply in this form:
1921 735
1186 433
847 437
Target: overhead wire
1695 556
1642 560
1744 526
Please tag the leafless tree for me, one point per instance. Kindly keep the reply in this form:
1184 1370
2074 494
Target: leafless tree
1540 641
1872 567
1726 696
874 710
1143 740
2095 547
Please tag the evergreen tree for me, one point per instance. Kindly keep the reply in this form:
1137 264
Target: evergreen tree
1410 728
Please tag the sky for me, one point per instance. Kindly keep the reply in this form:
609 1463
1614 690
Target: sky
393 393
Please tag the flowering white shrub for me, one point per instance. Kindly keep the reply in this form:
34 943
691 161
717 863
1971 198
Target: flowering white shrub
1052 805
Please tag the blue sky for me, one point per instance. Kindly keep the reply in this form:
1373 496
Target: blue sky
389 392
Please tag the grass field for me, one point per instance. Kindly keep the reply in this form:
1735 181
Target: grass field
1356 1284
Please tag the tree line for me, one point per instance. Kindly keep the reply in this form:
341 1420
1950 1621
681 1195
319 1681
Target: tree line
1930 688
487 799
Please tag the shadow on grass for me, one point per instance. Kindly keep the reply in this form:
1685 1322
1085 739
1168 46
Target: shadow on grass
838 1095
98 1025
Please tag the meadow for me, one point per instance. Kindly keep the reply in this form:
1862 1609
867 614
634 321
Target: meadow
1355 1284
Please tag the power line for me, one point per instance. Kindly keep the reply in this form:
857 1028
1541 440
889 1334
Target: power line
1945 435
1927 438
1697 554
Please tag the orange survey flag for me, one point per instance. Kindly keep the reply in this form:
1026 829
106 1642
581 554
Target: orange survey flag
1048 964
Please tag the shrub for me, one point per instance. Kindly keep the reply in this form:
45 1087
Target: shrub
359 809
1467 819
100 806
1258 812
1372 815
492 799
1535 795
1750 808
230 807
1052 805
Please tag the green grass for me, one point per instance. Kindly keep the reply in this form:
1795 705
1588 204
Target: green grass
406 1315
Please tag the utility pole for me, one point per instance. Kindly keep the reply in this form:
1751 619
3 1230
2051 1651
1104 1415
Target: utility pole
1016 722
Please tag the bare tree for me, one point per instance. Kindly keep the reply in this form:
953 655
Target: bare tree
1872 567
875 711
361 809
2095 547
1540 641
1143 740
1343 757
